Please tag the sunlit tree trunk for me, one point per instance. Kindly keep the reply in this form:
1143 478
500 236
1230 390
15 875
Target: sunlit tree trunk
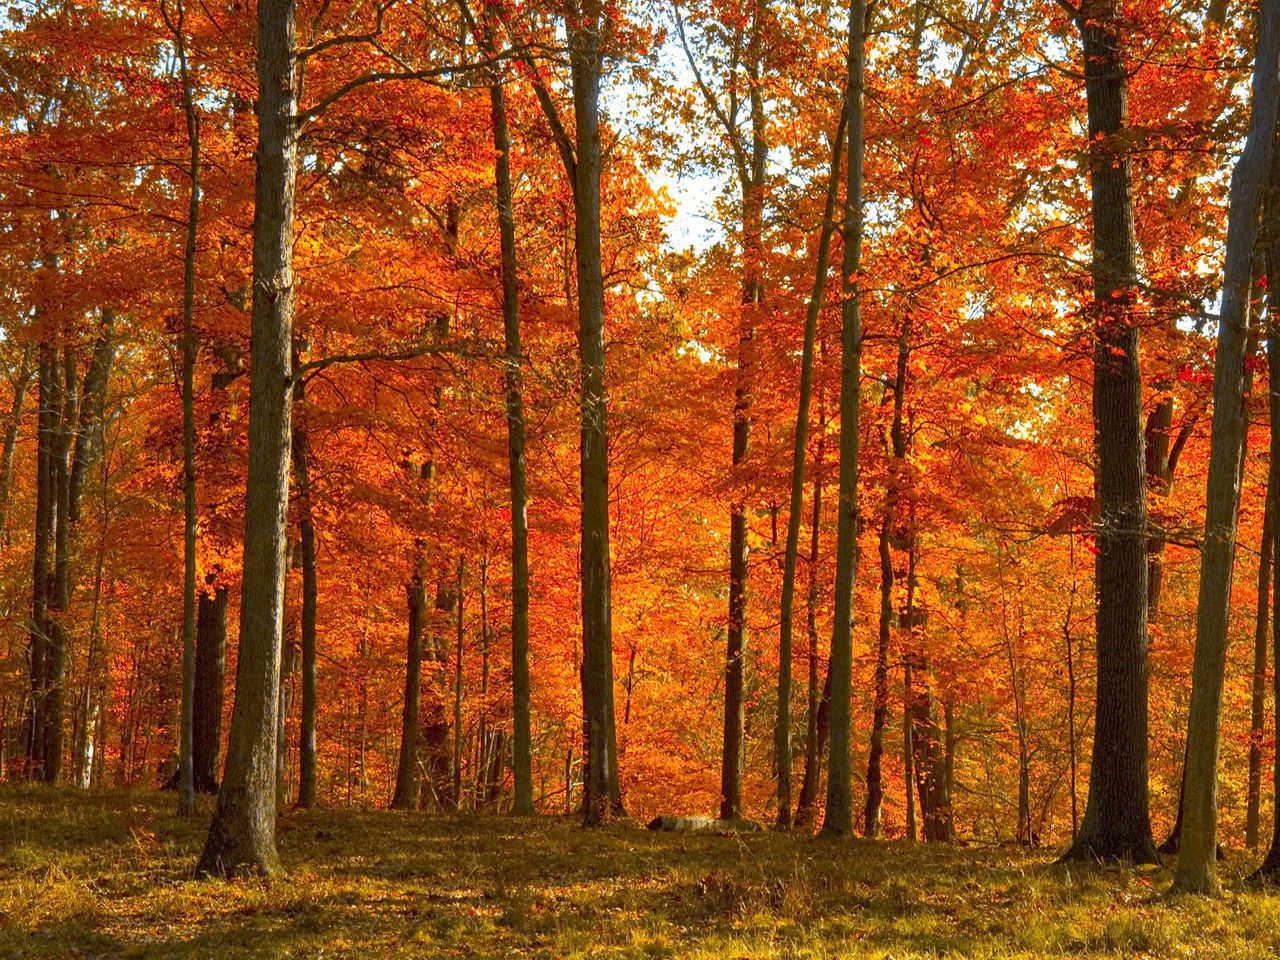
1197 856
839 812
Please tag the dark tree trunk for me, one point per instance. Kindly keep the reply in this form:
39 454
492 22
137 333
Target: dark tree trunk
242 835
816 718
406 793
522 749
60 594
838 820
880 709
38 644
307 736
752 183
1116 822
21 382
210 683
1197 858
782 730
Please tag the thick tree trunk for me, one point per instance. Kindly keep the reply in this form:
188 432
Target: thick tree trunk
242 835
522 749
207 695
1197 860
839 813
60 594
782 729
585 58
1116 822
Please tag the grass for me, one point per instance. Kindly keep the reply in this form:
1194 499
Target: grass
105 874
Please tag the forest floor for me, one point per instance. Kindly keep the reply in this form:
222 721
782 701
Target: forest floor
105 874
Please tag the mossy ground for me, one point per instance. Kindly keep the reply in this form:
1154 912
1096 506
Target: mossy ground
106 874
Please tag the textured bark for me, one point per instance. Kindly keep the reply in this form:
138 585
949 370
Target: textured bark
1197 859
242 834
522 747
210 682
839 813
782 729
1116 823
601 785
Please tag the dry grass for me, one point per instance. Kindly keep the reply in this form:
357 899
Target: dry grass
106 875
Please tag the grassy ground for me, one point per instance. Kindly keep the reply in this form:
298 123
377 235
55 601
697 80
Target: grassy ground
106 875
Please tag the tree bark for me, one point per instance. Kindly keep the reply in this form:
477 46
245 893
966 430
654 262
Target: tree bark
242 834
1197 858
406 792
207 695
1261 630
522 749
819 705
307 734
1116 822
839 813
880 709
782 730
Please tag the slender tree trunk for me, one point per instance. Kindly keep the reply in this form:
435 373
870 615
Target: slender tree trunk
242 834
819 703
908 751
1116 822
1197 858
1258 700
60 594
880 710
839 813
457 691
1269 871
752 183
307 735
21 382
186 768
406 792
211 673
782 730
38 645
522 750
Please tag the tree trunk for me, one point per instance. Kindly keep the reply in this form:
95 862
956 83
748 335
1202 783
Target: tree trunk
839 813
21 382
457 691
752 184
597 627
1116 822
406 792
242 834
186 768
819 704
307 735
1197 860
880 710
522 750
1258 700
782 730
60 594
908 751
38 644
210 683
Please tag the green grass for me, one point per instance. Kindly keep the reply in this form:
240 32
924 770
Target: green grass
106 875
